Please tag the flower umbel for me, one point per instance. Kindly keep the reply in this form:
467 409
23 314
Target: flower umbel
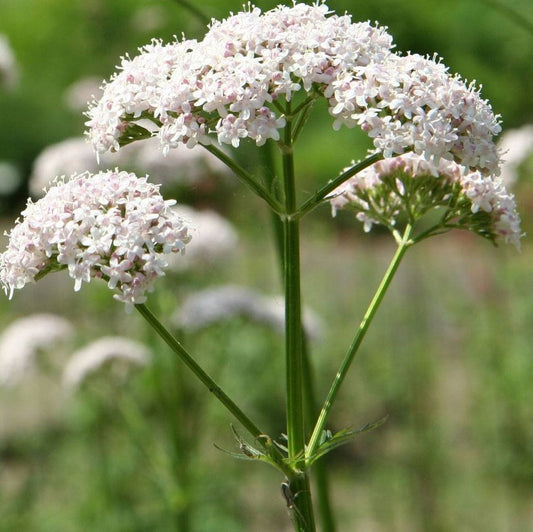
234 84
111 225
408 187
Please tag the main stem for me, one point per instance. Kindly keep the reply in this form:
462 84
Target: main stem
403 245
301 504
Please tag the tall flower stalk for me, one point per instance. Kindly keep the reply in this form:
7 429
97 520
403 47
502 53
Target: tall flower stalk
255 77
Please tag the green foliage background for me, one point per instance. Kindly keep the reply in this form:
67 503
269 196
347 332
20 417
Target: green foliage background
448 359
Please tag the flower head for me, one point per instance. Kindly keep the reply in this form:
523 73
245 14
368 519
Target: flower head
236 82
411 103
111 225
408 187
228 82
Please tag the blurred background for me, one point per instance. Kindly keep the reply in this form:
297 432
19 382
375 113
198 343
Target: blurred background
92 436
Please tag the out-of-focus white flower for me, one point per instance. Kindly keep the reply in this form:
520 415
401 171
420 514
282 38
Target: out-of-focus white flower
22 340
516 145
111 225
111 354
213 239
149 18
10 178
68 157
406 187
9 74
80 93
181 167
232 85
204 308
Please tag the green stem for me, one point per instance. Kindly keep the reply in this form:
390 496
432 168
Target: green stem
299 481
320 469
246 178
269 175
321 194
403 245
311 407
211 385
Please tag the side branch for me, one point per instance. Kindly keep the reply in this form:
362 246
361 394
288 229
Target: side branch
211 385
246 178
321 194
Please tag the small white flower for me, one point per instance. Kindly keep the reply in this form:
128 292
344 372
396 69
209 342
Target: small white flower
515 145
111 225
23 339
110 353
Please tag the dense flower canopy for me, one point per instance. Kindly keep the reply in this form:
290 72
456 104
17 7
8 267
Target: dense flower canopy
236 82
407 187
111 225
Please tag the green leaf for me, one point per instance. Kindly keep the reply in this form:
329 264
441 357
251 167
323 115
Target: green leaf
329 441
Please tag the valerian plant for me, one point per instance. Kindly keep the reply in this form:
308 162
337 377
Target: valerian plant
257 76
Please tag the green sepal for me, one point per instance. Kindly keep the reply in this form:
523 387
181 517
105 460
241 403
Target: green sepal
50 268
132 133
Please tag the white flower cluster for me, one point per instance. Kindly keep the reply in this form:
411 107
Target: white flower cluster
228 85
111 225
412 103
408 186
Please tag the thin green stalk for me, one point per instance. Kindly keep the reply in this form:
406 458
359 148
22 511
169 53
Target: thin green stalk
299 482
319 196
211 385
246 178
403 244
269 175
